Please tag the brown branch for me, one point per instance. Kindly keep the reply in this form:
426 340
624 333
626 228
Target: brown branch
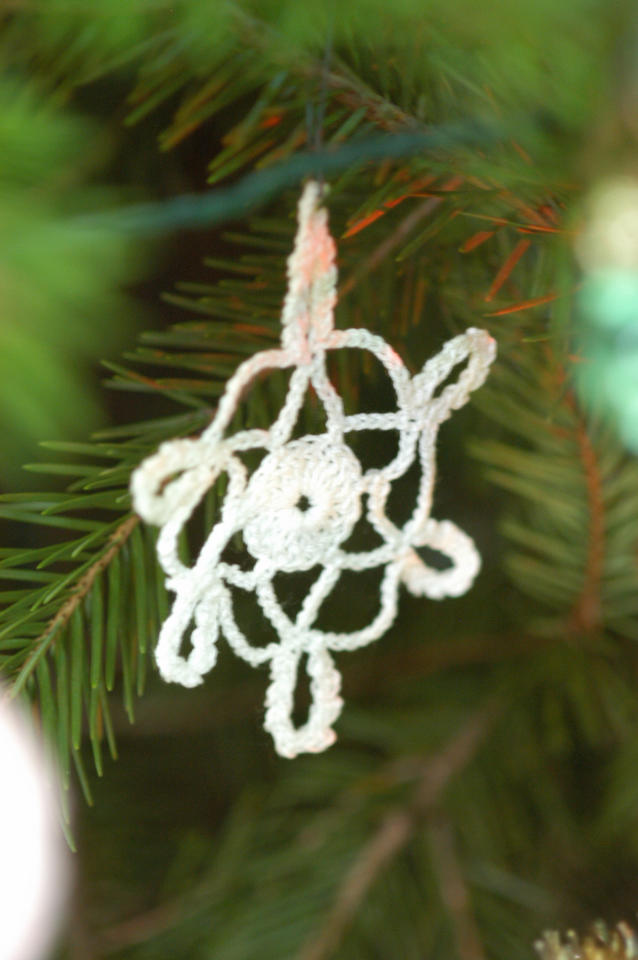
139 929
454 892
379 110
344 86
117 540
395 831
392 241
119 536
392 835
586 612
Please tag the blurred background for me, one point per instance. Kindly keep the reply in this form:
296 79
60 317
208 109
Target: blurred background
483 171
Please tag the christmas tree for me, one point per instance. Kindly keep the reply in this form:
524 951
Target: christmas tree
478 168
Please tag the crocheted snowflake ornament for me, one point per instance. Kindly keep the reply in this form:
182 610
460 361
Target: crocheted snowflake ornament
298 508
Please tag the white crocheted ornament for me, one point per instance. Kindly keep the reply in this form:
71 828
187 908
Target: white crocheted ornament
320 473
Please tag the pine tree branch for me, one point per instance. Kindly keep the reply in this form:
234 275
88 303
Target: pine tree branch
346 87
395 831
454 891
391 242
138 929
379 110
82 588
573 526
586 614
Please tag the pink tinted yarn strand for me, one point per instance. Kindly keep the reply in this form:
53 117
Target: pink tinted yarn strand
321 472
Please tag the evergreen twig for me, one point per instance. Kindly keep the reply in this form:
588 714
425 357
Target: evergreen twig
394 833
586 614
391 242
454 890
82 588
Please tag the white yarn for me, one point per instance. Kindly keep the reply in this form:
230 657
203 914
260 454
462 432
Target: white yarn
278 532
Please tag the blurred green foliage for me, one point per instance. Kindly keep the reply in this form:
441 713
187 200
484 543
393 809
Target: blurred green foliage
501 55
63 285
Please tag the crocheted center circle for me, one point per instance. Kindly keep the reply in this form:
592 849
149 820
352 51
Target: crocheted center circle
304 501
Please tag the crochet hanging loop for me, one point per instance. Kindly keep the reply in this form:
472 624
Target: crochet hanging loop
309 304
297 510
